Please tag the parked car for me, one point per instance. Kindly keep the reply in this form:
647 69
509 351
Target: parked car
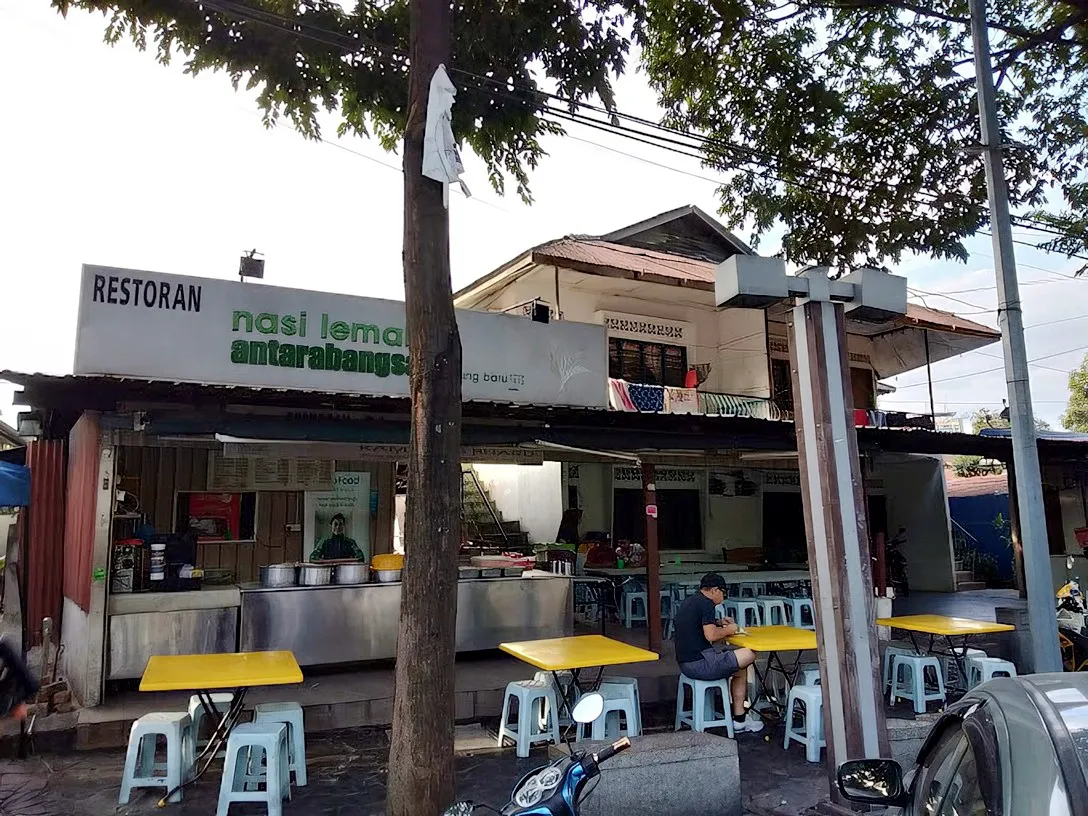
1011 747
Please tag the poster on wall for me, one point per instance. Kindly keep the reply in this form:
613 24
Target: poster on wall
336 523
215 516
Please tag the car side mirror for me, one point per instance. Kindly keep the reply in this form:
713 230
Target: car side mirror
872 781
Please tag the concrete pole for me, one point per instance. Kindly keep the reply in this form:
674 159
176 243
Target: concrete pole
1029 486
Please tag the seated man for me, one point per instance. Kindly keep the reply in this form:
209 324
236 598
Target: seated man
696 630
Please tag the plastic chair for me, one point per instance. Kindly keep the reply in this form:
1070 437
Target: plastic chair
951 668
810 699
632 602
796 608
243 772
704 713
290 714
746 613
909 682
772 610
525 732
222 701
141 769
890 653
621 700
809 674
983 669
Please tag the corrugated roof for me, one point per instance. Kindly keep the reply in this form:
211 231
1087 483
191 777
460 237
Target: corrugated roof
595 256
960 486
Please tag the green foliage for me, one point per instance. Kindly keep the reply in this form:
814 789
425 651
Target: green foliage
985 418
500 50
865 110
965 466
1075 417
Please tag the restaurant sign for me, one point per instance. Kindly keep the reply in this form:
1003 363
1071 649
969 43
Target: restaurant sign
168 327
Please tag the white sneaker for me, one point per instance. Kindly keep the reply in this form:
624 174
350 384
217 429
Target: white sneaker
751 725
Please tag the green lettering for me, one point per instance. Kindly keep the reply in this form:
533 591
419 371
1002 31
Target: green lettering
268 323
339 330
333 357
289 326
324 326
381 364
317 358
302 324
258 352
367 330
351 360
239 352
398 364
273 352
239 317
393 336
287 355
366 362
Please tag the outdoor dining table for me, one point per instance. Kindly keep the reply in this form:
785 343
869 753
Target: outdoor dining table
208 673
577 655
772 641
946 629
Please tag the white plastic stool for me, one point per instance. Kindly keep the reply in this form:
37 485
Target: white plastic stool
746 613
526 731
951 667
809 674
890 653
796 610
630 614
566 678
620 699
703 713
811 700
752 590
140 767
773 610
982 669
221 700
243 772
290 714
632 684
909 682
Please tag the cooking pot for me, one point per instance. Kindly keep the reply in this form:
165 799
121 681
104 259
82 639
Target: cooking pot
276 576
314 575
354 573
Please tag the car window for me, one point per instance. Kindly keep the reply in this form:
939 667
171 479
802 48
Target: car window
964 797
938 772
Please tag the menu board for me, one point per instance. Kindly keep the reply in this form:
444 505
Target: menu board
239 474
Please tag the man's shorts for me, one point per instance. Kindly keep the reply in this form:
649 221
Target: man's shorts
712 665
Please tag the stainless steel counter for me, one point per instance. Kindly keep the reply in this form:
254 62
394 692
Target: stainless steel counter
348 624
131 603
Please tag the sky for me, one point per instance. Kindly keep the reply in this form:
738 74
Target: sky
108 157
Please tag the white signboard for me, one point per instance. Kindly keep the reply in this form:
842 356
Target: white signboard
169 327
648 329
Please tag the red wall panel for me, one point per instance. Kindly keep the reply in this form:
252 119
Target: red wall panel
42 558
83 461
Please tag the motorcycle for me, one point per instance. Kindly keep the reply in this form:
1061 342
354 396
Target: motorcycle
557 789
1072 637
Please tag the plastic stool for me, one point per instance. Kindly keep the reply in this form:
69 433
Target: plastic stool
698 717
222 702
565 680
140 766
773 610
620 698
809 674
746 613
909 683
630 615
982 669
247 745
752 590
951 667
290 714
811 699
796 608
890 653
525 733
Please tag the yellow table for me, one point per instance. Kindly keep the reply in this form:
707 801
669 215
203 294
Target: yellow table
947 628
574 655
772 640
207 673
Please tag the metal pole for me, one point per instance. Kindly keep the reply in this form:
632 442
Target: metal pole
929 379
1029 487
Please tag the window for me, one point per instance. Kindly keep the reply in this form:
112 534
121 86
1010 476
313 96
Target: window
937 777
647 363
782 385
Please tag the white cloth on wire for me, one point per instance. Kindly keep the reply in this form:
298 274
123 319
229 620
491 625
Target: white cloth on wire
441 159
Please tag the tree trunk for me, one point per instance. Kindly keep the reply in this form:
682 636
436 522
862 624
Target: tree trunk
421 756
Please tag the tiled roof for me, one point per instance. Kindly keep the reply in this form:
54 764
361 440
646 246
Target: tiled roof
960 486
593 255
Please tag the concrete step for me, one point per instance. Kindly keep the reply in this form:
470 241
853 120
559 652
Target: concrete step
966 586
962 576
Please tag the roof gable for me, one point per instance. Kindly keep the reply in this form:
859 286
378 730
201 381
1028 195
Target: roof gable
686 231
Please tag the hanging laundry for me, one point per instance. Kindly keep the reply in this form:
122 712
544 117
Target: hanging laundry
647 398
681 401
618 397
441 159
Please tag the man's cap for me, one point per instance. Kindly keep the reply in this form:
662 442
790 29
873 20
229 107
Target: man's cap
712 580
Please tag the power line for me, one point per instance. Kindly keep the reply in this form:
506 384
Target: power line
987 370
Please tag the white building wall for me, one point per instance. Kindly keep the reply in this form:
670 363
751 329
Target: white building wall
529 494
917 500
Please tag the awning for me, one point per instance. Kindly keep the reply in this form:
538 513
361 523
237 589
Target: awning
14 485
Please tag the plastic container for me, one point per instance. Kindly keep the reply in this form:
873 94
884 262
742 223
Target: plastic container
158 562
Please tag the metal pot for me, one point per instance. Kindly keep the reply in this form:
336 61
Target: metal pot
314 575
388 576
276 576
354 573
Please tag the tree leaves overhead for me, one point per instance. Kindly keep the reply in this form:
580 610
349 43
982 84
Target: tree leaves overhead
850 122
1075 417
307 55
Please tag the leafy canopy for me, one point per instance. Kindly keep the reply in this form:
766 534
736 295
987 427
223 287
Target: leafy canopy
1075 417
985 418
353 62
864 113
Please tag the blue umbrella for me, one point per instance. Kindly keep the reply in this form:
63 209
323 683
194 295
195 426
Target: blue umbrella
14 485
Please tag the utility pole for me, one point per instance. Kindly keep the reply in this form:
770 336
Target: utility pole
421 772
1010 318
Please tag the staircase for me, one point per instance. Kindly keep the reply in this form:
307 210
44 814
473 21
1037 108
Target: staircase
965 547
483 526
965 581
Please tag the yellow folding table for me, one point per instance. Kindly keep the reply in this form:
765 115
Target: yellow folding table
773 640
208 673
576 655
948 629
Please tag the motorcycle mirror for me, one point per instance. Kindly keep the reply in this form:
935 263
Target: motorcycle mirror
1069 562
588 708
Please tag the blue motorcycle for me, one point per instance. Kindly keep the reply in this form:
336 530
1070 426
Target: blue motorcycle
557 789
